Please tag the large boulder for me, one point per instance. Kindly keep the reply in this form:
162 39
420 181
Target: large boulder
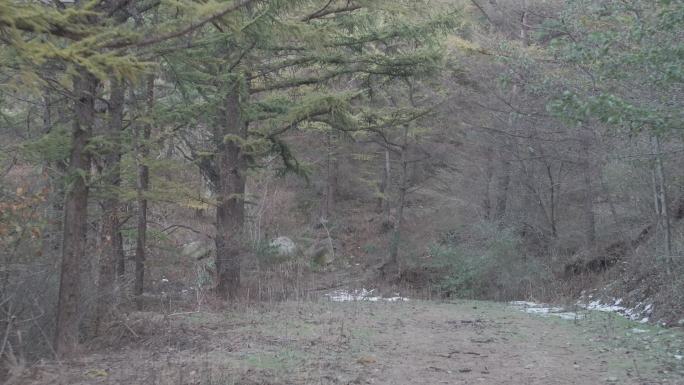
198 249
283 246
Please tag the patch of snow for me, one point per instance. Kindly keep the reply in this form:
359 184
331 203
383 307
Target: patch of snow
394 299
637 330
598 306
569 315
524 303
360 295
164 280
544 310
634 314
678 357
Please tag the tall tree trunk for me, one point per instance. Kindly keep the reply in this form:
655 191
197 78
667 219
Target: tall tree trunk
328 200
524 26
143 180
489 175
111 252
393 262
660 195
504 179
503 183
230 189
588 204
121 261
52 234
388 183
75 216
552 200
384 201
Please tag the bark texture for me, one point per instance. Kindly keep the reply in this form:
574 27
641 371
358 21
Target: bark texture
111 252
230 188
75 216
143 137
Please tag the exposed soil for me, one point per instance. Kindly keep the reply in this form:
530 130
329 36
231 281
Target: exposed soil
412 342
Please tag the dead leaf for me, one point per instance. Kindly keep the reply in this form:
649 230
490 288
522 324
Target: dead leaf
95 373
366 360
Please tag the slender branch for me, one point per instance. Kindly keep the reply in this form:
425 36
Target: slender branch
323 13
476 4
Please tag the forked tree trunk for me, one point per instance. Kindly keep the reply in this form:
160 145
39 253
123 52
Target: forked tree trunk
230 190
111 252
143 137
75 216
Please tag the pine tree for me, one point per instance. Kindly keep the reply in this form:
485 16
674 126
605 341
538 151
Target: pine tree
329 53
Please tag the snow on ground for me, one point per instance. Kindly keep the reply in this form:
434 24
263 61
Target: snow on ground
640 312
344 295
545 310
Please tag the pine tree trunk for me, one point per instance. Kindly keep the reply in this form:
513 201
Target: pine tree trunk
230 189
111 252
143 137
75 216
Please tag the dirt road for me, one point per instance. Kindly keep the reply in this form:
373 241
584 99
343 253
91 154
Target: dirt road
412 342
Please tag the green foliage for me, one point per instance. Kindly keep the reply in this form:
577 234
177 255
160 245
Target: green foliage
488 264
297 70
268 256
21 227
51 147
631 56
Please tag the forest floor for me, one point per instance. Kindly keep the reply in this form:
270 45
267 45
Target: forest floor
361 342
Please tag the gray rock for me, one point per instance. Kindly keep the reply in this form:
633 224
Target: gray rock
198 249
283 246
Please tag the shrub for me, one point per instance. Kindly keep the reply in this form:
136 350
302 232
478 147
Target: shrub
486 263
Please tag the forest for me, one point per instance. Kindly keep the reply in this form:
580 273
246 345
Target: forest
270 191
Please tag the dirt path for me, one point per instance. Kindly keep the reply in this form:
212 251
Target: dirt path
373 343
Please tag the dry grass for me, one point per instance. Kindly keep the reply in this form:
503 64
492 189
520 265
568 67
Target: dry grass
321 342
